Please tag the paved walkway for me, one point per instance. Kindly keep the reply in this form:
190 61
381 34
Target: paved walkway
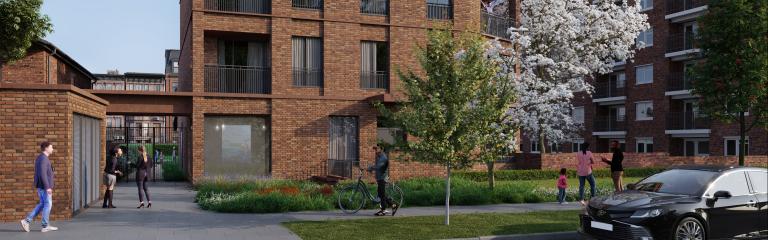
174 215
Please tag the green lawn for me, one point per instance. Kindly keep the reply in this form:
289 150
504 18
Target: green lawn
431 227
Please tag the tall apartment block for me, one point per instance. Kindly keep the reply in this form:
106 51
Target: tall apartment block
646 104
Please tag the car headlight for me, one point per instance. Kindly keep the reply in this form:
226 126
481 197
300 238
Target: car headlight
647 213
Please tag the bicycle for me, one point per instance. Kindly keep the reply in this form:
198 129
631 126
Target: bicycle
352 198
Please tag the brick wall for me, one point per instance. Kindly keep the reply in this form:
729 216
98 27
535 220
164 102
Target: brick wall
29 117
30 69
635 160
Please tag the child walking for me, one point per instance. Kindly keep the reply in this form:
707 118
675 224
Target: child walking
562 184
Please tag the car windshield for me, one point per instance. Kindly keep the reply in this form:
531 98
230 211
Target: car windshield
677 181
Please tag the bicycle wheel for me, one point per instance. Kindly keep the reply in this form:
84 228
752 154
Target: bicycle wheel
395 194
351 199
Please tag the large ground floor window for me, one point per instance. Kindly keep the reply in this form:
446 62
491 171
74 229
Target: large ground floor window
237 146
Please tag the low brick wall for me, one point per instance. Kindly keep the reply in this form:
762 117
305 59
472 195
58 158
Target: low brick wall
637 160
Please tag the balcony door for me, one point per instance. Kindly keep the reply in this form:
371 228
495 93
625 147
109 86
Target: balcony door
616 116
690 29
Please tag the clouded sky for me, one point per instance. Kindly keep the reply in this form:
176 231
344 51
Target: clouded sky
128 35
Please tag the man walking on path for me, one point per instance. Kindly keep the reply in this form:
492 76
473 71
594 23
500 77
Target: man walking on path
381 167
44 184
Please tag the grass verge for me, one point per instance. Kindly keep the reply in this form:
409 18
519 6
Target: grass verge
432 227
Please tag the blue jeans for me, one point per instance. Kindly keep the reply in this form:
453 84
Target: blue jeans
46 202
561 195
591 179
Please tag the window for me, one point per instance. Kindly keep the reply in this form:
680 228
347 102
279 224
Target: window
343 145
732 146
735 183
308 4
644 145
645 38
644 111
555 148
376 7
175 68
534 146
236 146
646 5
307 61
644 74
696 147
577 145
578 115
374 71
621 113
619 78
759 181
439 9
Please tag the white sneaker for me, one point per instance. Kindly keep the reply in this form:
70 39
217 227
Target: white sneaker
25 225
49 228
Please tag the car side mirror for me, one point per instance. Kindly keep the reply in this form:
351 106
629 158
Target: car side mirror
631 186
722 194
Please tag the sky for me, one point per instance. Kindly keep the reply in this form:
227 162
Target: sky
127 35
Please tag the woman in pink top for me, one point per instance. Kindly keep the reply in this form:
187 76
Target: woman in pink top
584 170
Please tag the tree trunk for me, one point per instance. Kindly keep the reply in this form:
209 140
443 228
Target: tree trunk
491 174
542 147
448 195
742 132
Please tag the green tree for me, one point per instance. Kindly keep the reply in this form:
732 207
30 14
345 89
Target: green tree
732 78
454 110
20 24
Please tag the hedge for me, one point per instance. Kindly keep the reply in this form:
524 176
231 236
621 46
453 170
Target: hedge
509 175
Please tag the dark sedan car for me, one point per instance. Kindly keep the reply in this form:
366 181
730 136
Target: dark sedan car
684 203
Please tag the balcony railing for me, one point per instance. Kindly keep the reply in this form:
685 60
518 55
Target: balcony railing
687 120
610 124
304 77
376 7
379 79
309 4
495 25
237 79
677 81
607 89
674 6
439 11
680 42
243 6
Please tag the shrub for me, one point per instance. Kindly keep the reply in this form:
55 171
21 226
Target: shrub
252 202
173 172
510 175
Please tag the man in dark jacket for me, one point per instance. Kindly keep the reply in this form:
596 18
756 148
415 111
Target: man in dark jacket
381 167
44 184
617 166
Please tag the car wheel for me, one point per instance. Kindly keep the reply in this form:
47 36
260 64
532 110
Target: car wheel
690 229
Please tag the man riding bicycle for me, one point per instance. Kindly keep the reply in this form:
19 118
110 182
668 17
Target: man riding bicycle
382 168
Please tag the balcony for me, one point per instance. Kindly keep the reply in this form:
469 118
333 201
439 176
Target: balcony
684 10
305 77
681 47
679 85
374 80
374 7
308 4
688 124
240 6
608 125
237 79
609 92
439 11
495 25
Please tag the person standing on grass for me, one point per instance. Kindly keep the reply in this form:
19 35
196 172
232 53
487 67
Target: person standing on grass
617 167
44 184
110 176
381 167
562 185
584 170
142 177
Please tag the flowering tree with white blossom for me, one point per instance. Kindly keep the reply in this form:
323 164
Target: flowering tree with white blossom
560 44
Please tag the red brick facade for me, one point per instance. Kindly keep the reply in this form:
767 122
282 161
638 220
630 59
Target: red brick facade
30 115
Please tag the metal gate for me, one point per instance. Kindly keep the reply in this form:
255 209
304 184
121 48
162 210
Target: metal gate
168 149
86 142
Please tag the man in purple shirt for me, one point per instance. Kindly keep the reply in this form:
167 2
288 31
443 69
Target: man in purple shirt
44 185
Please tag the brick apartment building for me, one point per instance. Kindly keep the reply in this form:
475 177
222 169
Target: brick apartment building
646 104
